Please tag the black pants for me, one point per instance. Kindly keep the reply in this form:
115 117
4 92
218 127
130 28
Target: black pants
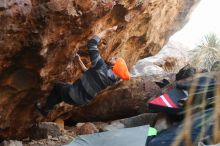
59 93
74 94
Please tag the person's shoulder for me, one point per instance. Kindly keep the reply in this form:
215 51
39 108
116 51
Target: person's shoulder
100 64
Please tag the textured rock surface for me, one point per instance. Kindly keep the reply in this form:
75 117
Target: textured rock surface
140 120
11 143
66 137
172 57
86 128
44 130
123 100
39 38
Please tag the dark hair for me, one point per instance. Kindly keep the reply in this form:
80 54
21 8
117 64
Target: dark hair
216 66
185 72
109 64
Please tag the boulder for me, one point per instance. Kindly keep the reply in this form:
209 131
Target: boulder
11 143
126 99
39 39
139 120
172 57
44 130
86 128
60 123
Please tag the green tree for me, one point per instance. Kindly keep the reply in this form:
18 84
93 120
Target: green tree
207 52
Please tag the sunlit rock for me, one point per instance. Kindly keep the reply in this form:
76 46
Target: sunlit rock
170 59
39 39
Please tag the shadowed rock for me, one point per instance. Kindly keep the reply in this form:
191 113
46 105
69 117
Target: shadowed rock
38 41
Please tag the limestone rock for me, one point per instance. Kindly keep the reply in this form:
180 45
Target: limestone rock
113 126
171 58
60 123
86 128
140 120
44 130
11 143
123 100
39 39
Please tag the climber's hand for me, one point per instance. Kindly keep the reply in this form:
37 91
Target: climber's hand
114 28
104 32
84 68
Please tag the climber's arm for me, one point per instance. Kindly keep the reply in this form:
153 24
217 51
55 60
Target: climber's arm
84 68
93 48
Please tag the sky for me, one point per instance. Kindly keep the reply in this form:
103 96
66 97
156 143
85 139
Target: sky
204 19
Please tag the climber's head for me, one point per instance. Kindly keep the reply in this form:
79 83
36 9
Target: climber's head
119 68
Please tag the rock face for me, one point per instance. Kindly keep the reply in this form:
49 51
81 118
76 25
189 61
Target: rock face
172 57
123 100
11 143
39 38
86 128
45 129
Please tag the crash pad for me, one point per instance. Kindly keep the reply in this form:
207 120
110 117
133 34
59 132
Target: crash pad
136 136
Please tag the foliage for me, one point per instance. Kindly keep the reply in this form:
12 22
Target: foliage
207 52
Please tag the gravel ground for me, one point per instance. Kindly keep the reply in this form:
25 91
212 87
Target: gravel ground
66 137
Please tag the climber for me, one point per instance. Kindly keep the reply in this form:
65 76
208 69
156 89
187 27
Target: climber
93 80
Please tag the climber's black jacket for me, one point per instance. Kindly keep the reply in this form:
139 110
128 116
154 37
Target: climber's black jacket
95 79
